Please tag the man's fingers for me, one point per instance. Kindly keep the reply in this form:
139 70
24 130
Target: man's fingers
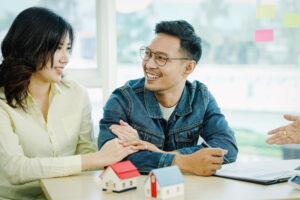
122 132
216 160
215 166
136 143
215 151
124 123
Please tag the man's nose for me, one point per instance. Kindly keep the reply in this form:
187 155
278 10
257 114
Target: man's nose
151 62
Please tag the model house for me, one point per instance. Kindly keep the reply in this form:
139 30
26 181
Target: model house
119 177
164 183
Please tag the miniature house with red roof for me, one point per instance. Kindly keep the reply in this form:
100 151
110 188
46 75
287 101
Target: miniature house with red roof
164 183
119 177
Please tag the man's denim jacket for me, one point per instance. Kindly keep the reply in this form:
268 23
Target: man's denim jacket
196 114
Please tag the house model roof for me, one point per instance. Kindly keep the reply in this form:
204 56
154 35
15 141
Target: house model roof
168 176
123 170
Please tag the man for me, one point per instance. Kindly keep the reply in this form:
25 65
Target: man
167 116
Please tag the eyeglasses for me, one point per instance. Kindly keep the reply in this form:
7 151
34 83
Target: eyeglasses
160 58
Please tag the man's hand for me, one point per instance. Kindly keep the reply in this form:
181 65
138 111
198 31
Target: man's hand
204 162
124 131
129 137
289 134
141 145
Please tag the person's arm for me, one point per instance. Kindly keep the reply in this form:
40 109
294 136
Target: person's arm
289 134
202 162
216 131
20 169
118 108
86 142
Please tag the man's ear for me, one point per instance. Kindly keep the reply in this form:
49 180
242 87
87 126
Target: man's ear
189 67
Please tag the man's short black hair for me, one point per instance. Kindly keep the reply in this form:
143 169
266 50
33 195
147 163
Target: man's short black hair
190 43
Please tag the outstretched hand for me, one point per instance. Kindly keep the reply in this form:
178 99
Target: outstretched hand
289 134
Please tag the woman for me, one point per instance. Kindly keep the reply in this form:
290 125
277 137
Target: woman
45 126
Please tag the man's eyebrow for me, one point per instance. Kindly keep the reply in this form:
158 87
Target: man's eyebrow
161 52
157 51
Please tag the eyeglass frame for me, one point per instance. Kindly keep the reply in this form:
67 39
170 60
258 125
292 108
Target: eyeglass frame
144 48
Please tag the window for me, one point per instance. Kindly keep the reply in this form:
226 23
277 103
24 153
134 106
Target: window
123 185
254 83
152 179
91 35
131 183
81 15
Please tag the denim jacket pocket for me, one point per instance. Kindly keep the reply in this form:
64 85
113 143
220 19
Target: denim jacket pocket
150 136
187 137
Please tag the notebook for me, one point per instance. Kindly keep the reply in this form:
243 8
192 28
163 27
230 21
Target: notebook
265 176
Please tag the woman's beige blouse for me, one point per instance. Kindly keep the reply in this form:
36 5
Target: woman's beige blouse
31 148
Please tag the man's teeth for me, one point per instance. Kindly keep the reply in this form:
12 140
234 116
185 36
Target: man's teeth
152 76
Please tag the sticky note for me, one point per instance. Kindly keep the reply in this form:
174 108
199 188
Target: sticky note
265 11
291 20
264 35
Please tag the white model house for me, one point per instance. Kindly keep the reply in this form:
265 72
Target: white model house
119 177
164 183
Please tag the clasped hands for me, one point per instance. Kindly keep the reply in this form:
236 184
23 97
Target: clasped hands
128 136
203 162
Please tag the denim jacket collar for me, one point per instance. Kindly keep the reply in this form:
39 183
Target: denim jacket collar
183 107
152 105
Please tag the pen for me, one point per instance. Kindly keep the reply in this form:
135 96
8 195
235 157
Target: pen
205 145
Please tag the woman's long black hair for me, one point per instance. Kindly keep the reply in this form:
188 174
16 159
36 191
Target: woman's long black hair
30 43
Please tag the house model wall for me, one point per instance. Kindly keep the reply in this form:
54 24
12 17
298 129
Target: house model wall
119 177
164 183
112 182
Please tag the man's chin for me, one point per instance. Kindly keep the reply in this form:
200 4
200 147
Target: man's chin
151 87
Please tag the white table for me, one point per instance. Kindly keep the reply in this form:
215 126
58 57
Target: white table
87 185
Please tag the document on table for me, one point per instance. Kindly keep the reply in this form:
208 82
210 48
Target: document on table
255 174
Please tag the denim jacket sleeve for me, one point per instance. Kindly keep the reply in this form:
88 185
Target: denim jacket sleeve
216 131
117 108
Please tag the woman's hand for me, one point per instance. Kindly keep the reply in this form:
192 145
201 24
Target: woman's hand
111 152
129 137
141 145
